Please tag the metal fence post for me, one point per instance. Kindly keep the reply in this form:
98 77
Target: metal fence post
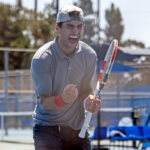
6 88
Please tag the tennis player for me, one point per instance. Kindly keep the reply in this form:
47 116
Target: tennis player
63 72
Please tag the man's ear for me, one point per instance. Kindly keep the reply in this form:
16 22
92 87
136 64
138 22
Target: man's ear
56 27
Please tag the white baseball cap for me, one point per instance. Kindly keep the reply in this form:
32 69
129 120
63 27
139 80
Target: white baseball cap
70 12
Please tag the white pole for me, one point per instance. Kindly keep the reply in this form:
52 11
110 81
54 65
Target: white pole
2 126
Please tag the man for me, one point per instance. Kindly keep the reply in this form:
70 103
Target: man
63 73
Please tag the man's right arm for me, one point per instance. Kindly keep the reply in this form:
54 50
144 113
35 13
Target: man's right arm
43 82
49 102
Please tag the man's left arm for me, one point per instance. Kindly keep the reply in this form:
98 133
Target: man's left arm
90 102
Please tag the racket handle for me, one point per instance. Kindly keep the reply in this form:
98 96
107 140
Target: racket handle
85 125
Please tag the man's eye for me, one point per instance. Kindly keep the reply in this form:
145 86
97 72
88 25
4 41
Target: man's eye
80 26
70 26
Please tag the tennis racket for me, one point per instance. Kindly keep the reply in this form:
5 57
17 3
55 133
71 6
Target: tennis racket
102 78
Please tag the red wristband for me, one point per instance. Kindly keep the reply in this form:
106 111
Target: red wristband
59 101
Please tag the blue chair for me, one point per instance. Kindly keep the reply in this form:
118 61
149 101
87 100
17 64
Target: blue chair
103 136
133 133
145 145
103 133
145 137
146 132
117 133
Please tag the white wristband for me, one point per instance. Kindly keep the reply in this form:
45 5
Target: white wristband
84 104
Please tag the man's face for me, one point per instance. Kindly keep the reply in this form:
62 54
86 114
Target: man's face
70 33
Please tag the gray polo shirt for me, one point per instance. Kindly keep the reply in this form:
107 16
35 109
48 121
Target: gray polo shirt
52 70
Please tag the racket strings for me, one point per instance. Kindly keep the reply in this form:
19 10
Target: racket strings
106 67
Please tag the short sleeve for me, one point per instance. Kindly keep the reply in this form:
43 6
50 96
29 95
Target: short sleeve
41 74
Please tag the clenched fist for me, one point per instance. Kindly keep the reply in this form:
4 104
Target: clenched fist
92 104
70 93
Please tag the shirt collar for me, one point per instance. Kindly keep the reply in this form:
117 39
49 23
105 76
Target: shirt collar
60 52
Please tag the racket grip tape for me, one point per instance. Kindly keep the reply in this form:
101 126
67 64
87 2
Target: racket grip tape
85 125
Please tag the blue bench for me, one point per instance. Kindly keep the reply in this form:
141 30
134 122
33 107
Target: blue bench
122 133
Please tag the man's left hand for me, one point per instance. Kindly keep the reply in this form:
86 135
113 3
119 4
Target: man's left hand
92 104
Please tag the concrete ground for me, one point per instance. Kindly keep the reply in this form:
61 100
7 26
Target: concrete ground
23 141
11 143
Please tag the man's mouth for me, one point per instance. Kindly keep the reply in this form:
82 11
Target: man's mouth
73 39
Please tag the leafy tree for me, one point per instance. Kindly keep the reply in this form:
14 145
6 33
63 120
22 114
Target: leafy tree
41 29
130 42
19 6
50 12
19 29
11 34
114 27
11 28
89 30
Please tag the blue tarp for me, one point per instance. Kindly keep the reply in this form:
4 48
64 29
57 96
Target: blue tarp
101 50
118 67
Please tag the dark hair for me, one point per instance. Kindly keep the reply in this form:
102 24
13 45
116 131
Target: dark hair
74 14
60 24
